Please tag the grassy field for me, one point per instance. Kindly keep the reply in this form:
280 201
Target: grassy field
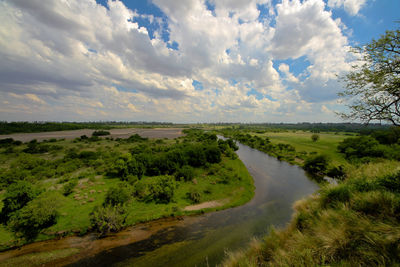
327 143
227 182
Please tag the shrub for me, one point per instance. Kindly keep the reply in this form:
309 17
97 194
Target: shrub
213 154
37 215
117 195
106 219
185 173
16 197
194 195
331 196
69 187
316 164
162 189
390 182
100 133
315 137
359 147
336 172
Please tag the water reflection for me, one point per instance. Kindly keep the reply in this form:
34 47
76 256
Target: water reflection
205 239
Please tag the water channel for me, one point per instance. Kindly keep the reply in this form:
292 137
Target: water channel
204 240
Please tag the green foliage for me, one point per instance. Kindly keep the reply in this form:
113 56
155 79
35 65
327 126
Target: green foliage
106 219
100 133
213 154
316 164
359 147
185 173
37 215
374 84
315 137
69 187
332 195
390 182
194 195
16 197
337 172
162 189
117 195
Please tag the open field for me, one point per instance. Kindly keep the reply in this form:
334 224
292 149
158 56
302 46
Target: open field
114 133
301 141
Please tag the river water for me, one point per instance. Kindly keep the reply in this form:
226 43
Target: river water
204 240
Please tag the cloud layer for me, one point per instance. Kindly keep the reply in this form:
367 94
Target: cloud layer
222 60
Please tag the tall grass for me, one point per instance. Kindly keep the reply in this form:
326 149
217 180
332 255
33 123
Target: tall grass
356 223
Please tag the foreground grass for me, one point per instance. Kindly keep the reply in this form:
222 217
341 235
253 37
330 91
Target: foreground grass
40 258
355 223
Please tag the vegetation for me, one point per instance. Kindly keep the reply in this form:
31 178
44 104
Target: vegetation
374 82
104 185
356 221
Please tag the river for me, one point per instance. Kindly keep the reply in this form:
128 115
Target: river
201 240
204 240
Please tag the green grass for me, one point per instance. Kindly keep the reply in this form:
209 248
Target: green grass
38 259
355 223
92 187
301 141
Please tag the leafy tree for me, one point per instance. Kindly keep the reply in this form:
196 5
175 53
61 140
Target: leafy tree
359 147
162 189
374 84
106 219
315 137
16 197
37 215
186 173
316 164
117 195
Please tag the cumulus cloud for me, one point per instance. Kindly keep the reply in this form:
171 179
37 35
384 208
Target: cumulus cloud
79 60
351 6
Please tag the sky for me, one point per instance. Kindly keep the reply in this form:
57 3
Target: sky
182 61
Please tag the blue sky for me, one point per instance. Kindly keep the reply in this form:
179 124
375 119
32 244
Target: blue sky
182 61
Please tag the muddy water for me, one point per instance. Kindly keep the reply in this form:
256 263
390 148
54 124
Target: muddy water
197 240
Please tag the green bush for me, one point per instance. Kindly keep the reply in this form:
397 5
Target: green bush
333 195
315 137
359 147
194 195
37 215
390 182
69 187
316 164
117 195
16 197
185 173
100 133
106 219
162 189
337 172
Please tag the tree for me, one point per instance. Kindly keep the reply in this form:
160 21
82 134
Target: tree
16 197
374 84
314 137
38 214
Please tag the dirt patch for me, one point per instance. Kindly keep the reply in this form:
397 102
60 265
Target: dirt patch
169 133
205 205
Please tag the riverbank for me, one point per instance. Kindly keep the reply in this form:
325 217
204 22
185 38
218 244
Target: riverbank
83 175
353 223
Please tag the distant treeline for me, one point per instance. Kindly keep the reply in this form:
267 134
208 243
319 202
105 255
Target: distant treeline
313 127
33 127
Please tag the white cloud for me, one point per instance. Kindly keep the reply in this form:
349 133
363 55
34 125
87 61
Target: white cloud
82 61
351 6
